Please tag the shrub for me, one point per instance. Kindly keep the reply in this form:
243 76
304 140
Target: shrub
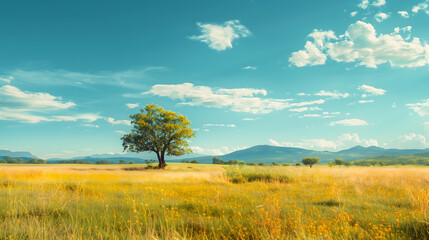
285 164
194 161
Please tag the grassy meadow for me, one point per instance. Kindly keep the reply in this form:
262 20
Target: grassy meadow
197 201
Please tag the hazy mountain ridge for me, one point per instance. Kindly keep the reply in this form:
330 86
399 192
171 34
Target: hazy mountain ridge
269 154
259 153
21 154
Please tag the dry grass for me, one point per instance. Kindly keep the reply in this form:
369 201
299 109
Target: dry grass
196 201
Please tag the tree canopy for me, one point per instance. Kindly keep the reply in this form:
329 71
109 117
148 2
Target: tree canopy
157 130
310 161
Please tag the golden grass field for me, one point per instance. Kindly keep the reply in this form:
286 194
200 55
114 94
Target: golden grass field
196 201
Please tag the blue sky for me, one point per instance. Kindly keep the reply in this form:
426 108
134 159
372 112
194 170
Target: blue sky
323 75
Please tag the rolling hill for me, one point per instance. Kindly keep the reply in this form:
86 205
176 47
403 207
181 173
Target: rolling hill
268 154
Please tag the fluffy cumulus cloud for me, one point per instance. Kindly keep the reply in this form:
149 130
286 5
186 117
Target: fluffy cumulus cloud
421 108
379 3
423 6
220 37
365 101
404 14
118 122
334 94
132 105
350 122
343 141
364 4
312 54
381 16
371 90
361 44
215 151
237 99
354 13
410 140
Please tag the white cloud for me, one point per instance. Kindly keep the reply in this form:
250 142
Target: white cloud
361 44
238 99
404 14
18 105
32 118
220 37
333 94
381 16
129 78
352 14
363 4
423 6
219 125
311 56
216 151
379 3
303 109
303 94
344 141
366 101
372 90
249 68
13 97
118 122
132 105
91 125
89 117
312 115
421 108
6 79
350 122
411 140
120 132
250 119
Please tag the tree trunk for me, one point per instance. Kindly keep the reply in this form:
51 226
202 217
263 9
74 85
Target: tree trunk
161 160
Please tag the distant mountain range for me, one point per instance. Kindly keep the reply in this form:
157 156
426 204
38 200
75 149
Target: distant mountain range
261 153
269 154
23 155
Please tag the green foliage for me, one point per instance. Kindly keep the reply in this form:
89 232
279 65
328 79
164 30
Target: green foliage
103 162
130 162
242 175
122 161
194 161
275 164
339 162
160 131
298 164
331 164
216 160
285 164
386 160
185 161
149 163
75 162
310 161
347 164
33 161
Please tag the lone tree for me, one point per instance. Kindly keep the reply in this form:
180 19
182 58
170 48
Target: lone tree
339 162
159 131
310 161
